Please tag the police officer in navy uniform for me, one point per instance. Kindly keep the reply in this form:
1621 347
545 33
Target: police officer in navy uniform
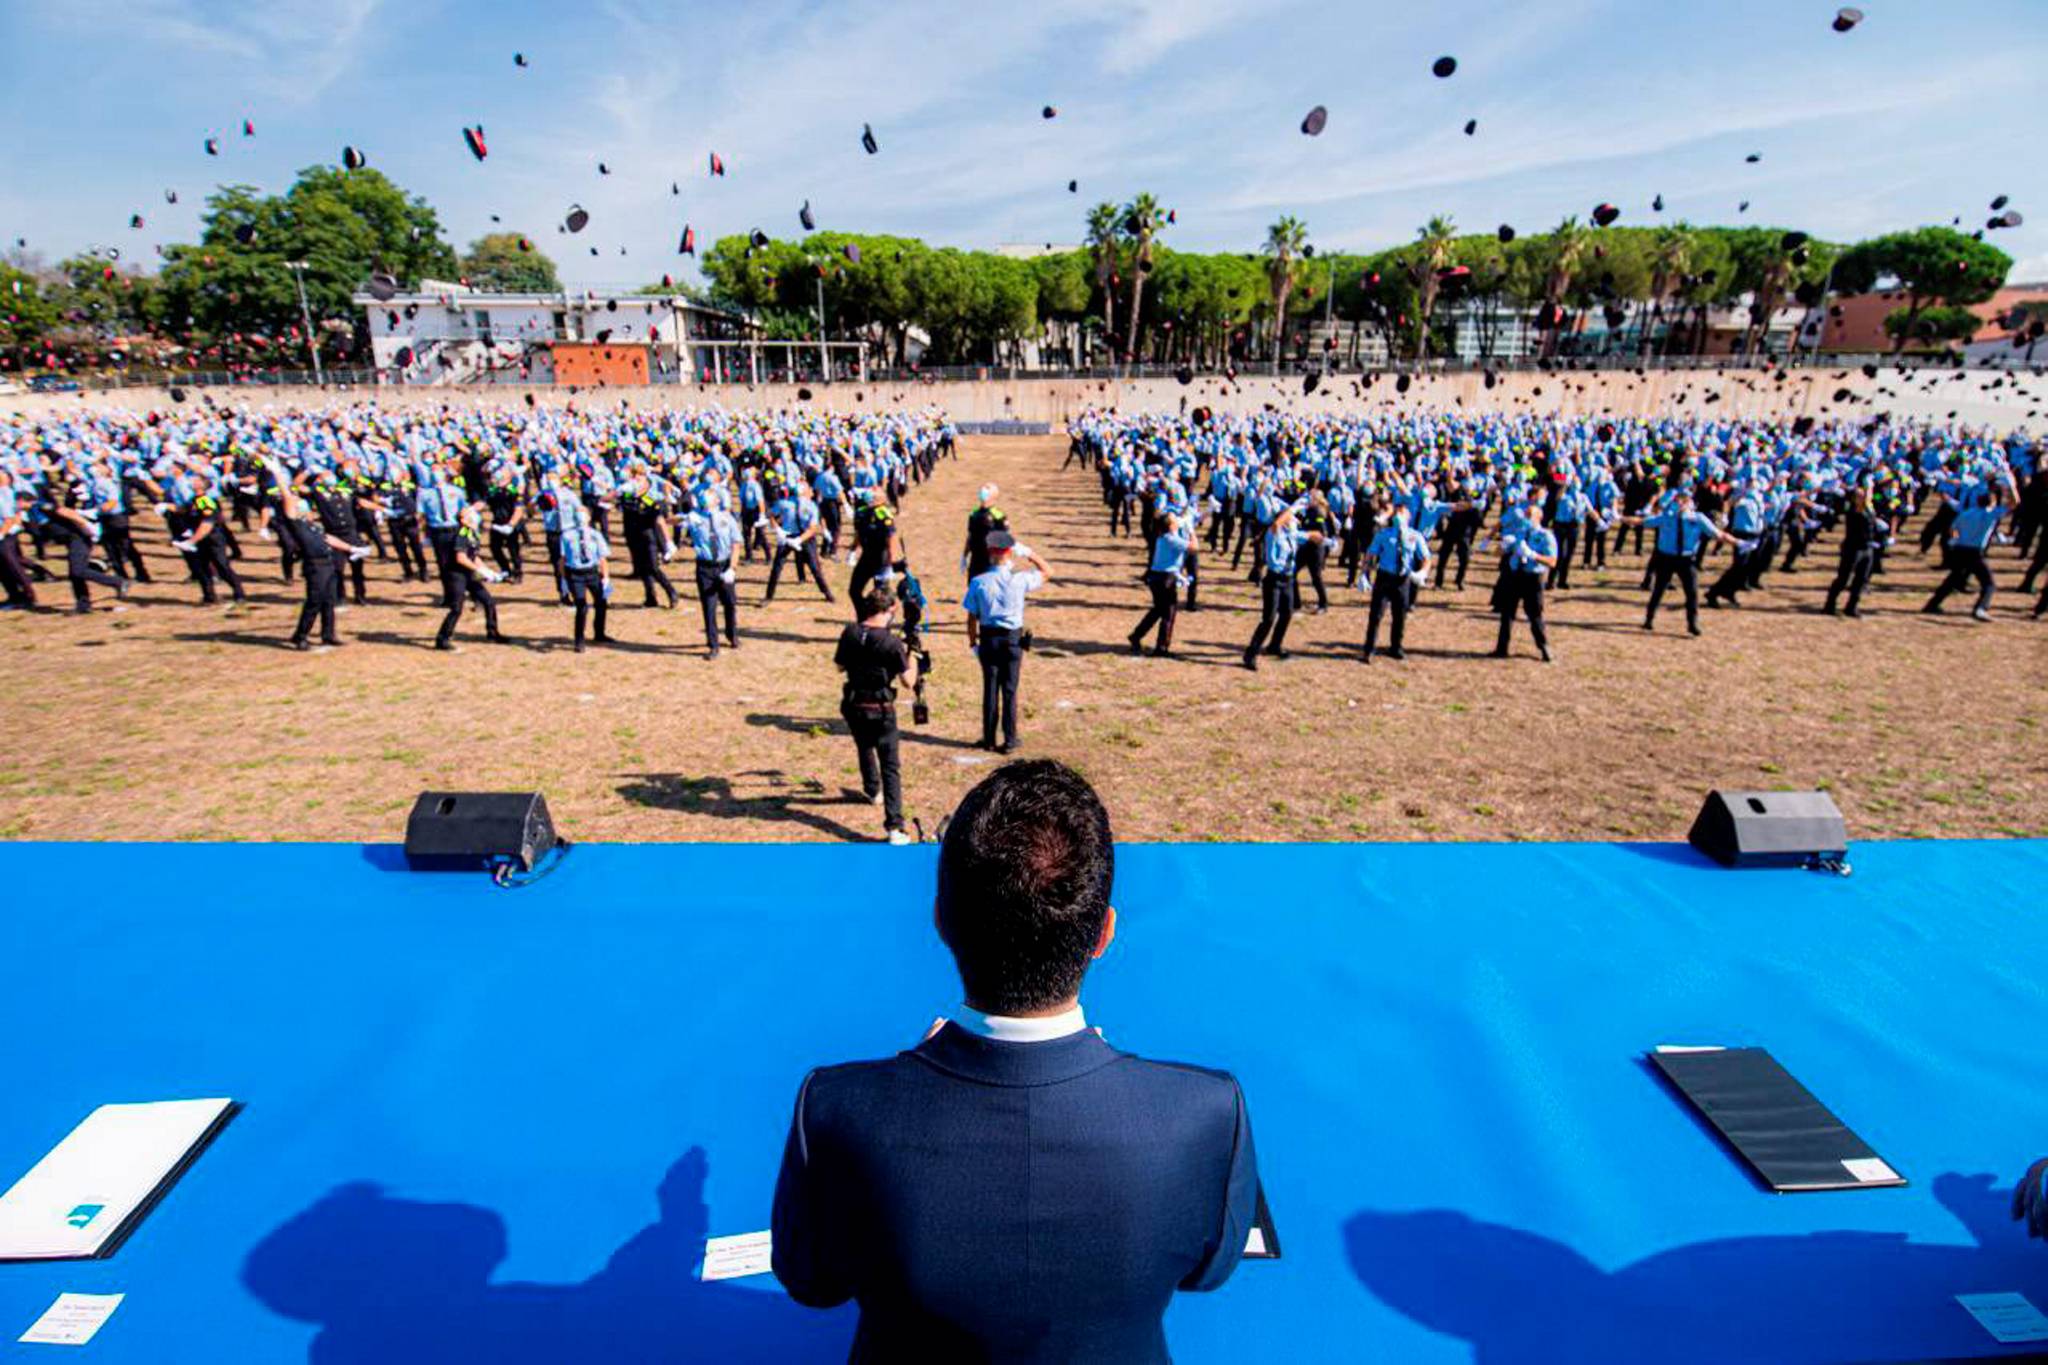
874 658
466 577
315 551
1861 535
198 533
995 631
334 500
878 545
73 519
1532 551
588 576
714 534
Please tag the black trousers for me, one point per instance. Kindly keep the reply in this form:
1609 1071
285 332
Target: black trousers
1561 572
442 538
117 541
1456 542
865 571
2040 560
877 744
1311 559
1595 555
1276 613
1852 574
1388 590
1937 526
405 542
78 567
643 546
1002 663
323 588
1664 568
356 578
505 552
1735 577
209 558
1165 606
14 573
714 592
806 557
586 589
1963 563
1522 589
464 586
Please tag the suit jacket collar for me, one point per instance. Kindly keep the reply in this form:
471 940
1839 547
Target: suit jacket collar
959 1053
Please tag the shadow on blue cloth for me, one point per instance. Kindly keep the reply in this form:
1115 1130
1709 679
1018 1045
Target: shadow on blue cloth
1522 1299
397 1282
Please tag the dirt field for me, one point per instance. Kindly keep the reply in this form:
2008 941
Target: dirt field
165 720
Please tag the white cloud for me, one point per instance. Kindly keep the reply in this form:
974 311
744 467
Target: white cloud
288 50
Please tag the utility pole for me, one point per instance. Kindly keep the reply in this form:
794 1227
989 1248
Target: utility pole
298 269
824 355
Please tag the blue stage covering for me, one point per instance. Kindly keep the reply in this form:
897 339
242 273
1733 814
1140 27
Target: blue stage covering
496 1126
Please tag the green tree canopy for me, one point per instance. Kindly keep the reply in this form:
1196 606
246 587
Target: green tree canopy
509 263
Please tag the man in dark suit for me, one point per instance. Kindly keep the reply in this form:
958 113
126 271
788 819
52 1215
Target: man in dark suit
1014 1188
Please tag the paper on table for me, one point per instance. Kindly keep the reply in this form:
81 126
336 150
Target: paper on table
2008 1317
73 1319
743 1253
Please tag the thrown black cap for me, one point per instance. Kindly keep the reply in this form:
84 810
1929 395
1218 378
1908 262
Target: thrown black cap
1309 381
1048 112
1792 241
1603 214
867 140
1444 66
519 59
1505 233
1073 187
245 233
353 158
803 215
576 219
474 138
381 286
1316 118
1847 18
1471 126
757 239
213 146
1754 157
852 252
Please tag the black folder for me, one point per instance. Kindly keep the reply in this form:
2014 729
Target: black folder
1789 1138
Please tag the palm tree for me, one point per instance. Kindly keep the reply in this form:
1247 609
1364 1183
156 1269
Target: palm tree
1568 246
1141 221
1778 268
1432 252
1670 254
1284 241
1103 221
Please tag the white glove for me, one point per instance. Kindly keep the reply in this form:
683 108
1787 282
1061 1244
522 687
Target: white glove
496 529
162 509
359 552
728 578
668 554
1022 551
265 533
185 547
493 576
1746 546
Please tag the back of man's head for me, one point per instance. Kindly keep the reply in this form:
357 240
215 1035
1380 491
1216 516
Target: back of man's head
1024 882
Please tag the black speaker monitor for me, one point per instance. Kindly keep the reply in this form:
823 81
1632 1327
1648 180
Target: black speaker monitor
1771 829
470 830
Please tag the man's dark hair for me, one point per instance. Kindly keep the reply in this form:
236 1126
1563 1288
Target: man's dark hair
1024 878
877 599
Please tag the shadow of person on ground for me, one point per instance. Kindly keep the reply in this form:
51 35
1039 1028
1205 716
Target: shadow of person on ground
720 797
1522 1299
392 1281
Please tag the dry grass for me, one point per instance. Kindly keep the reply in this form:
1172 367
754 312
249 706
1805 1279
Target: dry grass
169 721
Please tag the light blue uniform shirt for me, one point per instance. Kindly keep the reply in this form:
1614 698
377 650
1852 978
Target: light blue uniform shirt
1169 551
996 598
1535 540
712 534
583 549
1974 525
1680 533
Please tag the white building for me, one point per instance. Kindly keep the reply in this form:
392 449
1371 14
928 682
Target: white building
447 334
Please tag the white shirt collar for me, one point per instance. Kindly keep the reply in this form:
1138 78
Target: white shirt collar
1006 1029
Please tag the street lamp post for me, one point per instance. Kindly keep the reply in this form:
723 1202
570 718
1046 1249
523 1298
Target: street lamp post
298 269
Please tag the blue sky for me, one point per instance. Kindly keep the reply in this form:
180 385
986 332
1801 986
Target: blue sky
1920 114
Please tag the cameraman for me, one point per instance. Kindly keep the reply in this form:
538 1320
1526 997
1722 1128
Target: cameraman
874 657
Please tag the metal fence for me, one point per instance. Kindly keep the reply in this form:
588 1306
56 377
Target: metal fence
877 374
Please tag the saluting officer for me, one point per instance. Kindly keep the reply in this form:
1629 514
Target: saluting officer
995 631
714 534
1532 551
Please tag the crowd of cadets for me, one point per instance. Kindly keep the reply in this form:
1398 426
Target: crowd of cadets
1387 499
459 498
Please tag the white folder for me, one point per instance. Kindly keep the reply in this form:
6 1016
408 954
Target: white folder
83 1198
